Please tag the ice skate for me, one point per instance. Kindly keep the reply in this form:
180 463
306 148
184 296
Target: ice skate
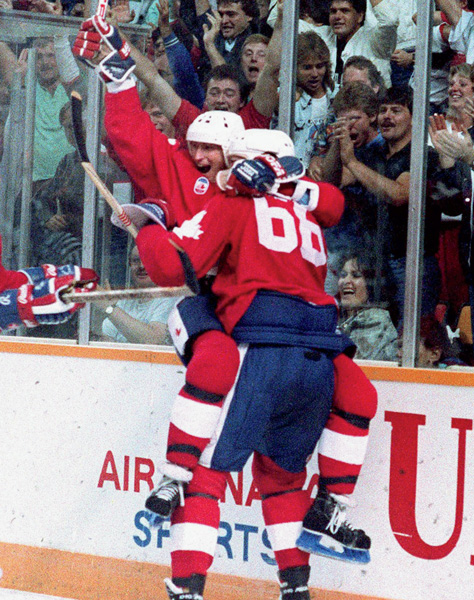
326 531
165 498
168 493
190 588
294 583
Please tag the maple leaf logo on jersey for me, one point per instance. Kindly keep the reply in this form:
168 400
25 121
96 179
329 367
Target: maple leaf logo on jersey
191 228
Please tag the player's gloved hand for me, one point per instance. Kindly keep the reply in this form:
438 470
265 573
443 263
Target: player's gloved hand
250 177
306 193
256 176
118 65
38 274
146 213
39 304
42 304
87 44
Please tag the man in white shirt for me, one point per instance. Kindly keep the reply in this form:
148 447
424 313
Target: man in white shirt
140 320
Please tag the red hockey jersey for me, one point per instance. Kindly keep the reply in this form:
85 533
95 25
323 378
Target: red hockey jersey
258 244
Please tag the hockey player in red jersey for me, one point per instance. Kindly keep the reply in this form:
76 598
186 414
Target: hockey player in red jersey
263 282
274 254
32 296
183 176
344 440
184 179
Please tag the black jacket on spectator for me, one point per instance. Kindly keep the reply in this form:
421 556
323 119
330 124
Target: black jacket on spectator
392 168
232 57
187 12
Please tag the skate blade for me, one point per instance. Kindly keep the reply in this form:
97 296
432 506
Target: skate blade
323 545
156 521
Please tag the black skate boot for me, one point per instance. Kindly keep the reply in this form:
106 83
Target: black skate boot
186 588
294 583
168 493
326 531
164 499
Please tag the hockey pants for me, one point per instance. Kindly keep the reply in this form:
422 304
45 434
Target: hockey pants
210 376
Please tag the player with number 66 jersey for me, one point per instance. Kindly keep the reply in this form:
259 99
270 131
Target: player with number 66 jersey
268 244
269 285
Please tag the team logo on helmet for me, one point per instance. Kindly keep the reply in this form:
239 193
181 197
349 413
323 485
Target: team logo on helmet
201 186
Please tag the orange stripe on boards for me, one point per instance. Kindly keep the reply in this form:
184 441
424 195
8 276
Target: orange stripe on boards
87 577
165 357
461 378
81 576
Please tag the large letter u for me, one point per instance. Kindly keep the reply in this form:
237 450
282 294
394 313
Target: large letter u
402 490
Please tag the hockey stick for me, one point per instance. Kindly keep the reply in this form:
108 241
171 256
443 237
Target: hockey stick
113 295
102 8
76 106
190 276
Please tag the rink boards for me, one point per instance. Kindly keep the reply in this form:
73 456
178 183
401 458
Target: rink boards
83 428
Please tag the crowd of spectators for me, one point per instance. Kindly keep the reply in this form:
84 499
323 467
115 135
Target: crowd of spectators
352 127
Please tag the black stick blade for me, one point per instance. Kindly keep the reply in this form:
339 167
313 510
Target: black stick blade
190 276
76 108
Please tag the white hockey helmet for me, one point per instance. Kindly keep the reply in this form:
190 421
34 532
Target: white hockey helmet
218 127
253 142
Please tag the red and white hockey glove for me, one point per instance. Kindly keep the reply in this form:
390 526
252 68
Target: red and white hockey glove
118 65
38 274
40 304
253 177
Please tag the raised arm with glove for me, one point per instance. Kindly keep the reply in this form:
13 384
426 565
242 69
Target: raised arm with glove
114 66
